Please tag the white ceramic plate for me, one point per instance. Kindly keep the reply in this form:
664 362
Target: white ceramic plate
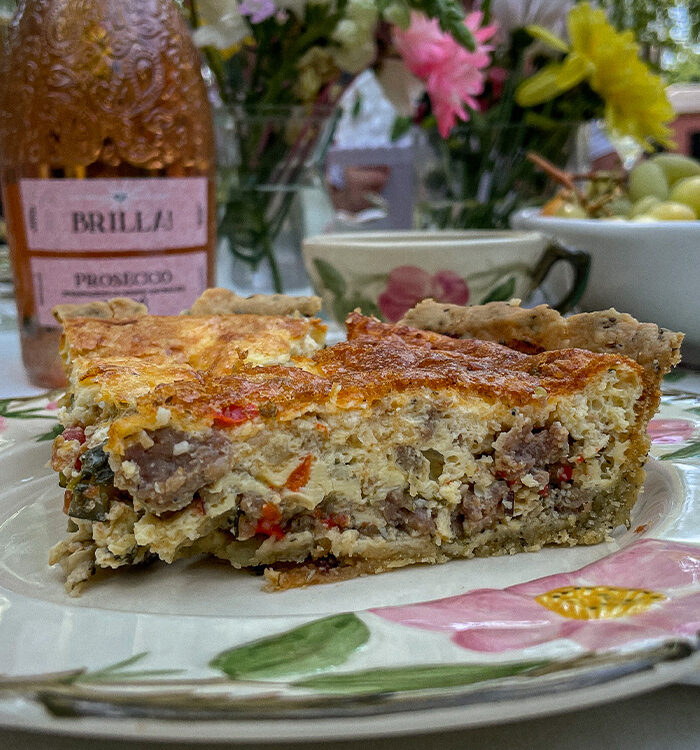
164 652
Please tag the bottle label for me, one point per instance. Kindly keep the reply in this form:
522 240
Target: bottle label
166 283
112 215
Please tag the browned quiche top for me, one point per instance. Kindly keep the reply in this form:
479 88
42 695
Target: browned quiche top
378 359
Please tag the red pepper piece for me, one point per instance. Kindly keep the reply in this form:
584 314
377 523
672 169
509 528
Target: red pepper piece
336 521
300 476
565 473
74 433
233 415
268 524
270 512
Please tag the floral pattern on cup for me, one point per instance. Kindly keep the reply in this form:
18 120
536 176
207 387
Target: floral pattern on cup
497 620
407 285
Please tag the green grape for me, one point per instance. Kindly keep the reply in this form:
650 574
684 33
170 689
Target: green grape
676 166
570 211
687 191
670 211
620 206
647 178
643 205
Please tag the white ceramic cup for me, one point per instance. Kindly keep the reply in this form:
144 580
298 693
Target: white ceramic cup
386 273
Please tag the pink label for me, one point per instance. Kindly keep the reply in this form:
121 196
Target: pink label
167 284
158 213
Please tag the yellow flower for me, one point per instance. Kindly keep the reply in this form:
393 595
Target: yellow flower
635 99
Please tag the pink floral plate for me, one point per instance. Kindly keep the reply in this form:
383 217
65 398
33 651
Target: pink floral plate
196 650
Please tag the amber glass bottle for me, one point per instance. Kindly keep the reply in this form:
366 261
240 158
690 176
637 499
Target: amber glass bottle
106 162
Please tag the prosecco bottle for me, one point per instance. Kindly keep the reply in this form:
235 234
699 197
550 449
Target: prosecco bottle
106 163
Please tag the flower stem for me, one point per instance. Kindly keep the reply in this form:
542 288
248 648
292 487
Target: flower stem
270 254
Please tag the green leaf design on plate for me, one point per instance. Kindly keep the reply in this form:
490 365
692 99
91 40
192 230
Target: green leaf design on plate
342 306
423 677
692 450
502 292
51 434
694 410
674 376
330 277
317 645
30 412
118 673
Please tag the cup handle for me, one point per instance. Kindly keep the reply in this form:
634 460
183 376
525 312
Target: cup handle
580 262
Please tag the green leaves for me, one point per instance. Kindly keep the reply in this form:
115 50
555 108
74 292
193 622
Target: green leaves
330 277
401 126
337 286
29 412
502 292
674 376
118 673
398 679
450 16
692 450
51 434
344 305
329 642
318 645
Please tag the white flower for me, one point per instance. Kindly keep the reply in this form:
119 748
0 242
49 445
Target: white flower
514 14
397 14
356 58
348 33
222 24
363 12
355 34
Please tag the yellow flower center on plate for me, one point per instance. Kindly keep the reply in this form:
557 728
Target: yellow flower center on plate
596 602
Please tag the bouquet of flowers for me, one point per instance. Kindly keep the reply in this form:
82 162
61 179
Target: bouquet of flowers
523 88
280 67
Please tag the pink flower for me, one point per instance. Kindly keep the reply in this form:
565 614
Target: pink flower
257 10
497 620
3 424
453 76
51 406
668 431
407 285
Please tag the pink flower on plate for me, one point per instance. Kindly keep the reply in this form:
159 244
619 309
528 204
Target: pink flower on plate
407 285
649 590
670 431
453 76
3 424
51 406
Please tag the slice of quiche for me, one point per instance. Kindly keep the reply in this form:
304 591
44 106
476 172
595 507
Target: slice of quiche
398 446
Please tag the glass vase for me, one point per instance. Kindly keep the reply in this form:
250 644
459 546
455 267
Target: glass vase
270 193
479 176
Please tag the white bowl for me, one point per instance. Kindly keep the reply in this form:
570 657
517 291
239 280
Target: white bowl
648 269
